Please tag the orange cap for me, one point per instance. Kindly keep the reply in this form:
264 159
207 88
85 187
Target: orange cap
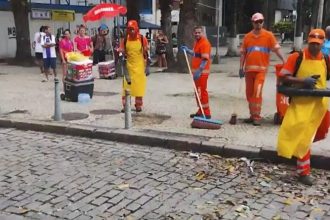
257 16
316 36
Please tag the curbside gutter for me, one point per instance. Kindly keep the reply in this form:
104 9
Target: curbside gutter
169 140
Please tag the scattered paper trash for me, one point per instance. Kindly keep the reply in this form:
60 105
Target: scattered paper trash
194 155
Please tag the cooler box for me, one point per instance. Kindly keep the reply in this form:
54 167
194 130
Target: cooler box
107 70
80 70
72 89
282 101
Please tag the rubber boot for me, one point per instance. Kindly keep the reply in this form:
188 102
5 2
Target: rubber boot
306 180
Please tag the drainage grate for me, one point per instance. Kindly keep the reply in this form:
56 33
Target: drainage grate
105 93
149 119
19 111
105 112
189 94
71 116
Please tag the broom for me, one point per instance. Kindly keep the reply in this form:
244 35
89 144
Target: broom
201 122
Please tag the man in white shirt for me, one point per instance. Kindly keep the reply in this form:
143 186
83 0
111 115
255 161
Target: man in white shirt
49 53
36 45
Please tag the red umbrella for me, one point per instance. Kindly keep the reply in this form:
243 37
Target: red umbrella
104 10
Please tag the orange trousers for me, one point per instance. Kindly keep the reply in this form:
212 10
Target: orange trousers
138 102
254 83
201 85
304 164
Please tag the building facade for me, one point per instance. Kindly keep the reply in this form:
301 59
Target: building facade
59 15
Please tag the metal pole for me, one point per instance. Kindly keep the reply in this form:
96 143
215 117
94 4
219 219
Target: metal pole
57 112
128 113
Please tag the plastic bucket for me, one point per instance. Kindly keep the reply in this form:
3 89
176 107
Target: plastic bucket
84 98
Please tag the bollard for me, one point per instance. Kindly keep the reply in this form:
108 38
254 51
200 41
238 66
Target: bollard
57 112
128 113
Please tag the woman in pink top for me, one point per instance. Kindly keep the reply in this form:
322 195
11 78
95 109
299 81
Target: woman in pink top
82 42
65 46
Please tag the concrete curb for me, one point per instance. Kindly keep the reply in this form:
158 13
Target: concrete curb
175 141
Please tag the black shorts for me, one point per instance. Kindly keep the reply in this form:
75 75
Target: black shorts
50 63
38 56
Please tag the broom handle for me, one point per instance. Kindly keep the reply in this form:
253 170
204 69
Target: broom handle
195 89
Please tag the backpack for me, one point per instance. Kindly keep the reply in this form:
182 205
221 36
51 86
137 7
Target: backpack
300 58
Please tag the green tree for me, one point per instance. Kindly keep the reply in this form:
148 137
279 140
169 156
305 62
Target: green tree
20 9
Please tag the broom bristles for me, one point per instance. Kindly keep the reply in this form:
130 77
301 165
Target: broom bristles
203 123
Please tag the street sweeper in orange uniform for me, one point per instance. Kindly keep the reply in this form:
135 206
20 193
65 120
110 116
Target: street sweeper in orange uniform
200 69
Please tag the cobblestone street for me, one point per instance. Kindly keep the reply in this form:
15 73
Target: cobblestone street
47 176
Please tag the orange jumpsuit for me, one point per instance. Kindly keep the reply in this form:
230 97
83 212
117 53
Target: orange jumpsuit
257 50
202 48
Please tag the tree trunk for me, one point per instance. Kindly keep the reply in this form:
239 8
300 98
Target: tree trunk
326 16
23 45
133 10
233 40
298 39
166 25
320 14
188 19
272 4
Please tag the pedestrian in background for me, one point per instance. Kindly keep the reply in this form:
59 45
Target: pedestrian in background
307 118
65 46
36 45
201 63
255 54
326 45
135 48
175 44
82 42
161 42
48 43
100 44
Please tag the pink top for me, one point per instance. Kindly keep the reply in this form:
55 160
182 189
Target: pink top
83 43
66 45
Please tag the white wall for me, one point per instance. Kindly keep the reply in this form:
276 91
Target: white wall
278 16
7 45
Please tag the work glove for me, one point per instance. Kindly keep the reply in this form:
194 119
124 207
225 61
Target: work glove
241 73
197 74
310 82
188 51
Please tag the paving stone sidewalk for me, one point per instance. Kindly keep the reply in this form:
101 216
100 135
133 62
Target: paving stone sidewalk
47 176
168 102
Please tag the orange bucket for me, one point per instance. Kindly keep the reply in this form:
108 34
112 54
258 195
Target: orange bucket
282 101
